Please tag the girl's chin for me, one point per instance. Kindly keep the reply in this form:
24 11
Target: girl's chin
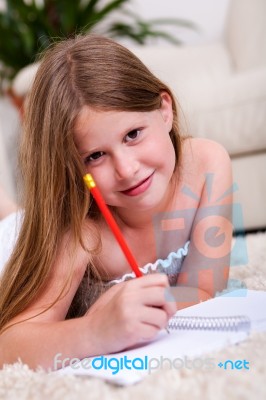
143 205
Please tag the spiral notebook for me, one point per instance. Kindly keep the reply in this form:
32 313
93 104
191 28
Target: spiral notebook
193 332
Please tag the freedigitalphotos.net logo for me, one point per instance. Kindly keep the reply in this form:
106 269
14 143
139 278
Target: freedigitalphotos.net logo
145 363
149 364
209 229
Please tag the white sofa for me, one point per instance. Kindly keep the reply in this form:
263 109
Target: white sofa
9 129
221 88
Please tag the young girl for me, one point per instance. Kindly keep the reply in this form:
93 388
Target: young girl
67 288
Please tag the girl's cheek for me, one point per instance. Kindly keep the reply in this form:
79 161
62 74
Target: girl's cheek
103 180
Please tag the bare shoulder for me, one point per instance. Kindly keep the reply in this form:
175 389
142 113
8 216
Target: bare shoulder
202 160
205 155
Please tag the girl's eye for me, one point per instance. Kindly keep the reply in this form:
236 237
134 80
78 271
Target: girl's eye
94 156
132 135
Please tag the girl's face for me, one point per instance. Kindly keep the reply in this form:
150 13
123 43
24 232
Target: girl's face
129 154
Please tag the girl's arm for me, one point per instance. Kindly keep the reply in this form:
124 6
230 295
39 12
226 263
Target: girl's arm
206 267
49 344
125 315
36 331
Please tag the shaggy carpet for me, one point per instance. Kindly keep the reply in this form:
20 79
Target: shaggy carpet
19 382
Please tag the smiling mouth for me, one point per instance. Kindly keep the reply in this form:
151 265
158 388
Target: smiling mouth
139 188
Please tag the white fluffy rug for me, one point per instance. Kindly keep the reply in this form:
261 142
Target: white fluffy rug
18 382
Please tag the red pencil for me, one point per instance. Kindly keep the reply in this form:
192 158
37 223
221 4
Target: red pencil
90 183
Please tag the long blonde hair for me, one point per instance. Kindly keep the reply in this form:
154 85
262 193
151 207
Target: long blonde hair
86 70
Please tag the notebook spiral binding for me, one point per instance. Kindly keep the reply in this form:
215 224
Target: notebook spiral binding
234 323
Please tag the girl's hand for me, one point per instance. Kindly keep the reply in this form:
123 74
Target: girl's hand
130 312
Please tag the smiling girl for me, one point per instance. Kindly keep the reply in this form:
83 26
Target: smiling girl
67 288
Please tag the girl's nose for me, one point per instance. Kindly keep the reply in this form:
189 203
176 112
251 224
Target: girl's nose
126 165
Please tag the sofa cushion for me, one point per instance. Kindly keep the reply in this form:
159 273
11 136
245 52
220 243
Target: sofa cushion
182 63
246 32
249 173
231 111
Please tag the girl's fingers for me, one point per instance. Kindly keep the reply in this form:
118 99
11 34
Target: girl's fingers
155 292
159 297
155 279
154 316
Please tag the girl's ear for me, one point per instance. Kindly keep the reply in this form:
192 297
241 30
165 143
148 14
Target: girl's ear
167 110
